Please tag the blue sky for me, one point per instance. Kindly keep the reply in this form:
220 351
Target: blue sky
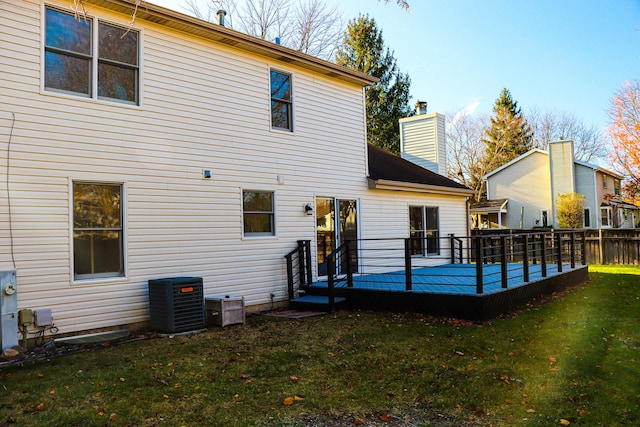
558 55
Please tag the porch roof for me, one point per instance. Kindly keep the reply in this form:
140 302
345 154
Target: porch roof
489 206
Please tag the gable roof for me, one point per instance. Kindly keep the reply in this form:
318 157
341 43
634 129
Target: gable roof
390 172
187 24
538 150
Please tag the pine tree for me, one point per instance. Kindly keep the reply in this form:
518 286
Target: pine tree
387 101
509 135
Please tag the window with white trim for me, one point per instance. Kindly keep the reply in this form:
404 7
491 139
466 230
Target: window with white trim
544 217
258 213
98 249
424 230
605 216
281 101
89 57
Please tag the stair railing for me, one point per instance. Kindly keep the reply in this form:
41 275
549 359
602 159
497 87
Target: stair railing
299 267
342 252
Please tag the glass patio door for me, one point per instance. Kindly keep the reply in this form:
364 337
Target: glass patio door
332 229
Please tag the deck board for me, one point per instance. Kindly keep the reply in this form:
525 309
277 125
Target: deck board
455 279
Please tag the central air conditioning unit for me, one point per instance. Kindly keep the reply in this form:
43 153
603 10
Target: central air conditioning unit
8 309
176 304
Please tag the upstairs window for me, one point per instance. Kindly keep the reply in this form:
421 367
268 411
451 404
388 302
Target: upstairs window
281 104
616 186
258 213
604 181
73 64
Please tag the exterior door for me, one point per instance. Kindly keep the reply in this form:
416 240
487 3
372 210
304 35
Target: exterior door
332 229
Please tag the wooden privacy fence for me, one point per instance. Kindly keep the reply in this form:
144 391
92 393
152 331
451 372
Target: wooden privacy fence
613 246
602 246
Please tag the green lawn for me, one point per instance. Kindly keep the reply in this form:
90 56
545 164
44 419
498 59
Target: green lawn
573 358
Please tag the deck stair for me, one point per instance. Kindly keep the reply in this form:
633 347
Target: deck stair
315 297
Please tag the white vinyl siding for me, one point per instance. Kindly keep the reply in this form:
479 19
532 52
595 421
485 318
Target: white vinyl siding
527 185
199 112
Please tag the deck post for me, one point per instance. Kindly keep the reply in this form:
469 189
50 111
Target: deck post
301 262
573 249
543 260
452 249
504 277
290 277
479 278
407 264
559 251
308 270
349 269
331 271
525 257
584 248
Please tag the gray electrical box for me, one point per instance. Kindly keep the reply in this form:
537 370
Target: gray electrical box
8 309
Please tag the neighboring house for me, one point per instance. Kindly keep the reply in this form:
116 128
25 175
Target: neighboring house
177 147
522 193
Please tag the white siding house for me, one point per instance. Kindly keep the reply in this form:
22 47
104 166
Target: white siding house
192 152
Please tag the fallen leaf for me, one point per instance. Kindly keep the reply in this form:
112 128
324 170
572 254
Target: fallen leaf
386 418
288 401
357 421
552 360
564 422
298 398
531 411
39 375
52 392
293 379
113 416
40 406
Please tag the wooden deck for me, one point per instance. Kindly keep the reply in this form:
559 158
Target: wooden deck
451 289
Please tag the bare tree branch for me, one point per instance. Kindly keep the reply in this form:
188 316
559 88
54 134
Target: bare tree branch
548 126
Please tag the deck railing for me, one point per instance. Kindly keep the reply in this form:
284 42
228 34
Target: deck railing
400 261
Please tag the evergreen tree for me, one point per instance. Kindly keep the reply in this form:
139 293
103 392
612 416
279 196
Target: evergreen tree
509 135
387 101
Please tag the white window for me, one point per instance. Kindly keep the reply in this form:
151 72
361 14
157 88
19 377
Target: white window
281 101
258 213
424 223
605 215
89 57
544 217
97 230
586 220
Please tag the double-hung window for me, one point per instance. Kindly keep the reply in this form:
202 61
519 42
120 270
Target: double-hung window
258 213
424 230
89 57
281 101
97 230
606 217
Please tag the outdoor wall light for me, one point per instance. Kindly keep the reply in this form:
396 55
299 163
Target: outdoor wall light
206 173
308 209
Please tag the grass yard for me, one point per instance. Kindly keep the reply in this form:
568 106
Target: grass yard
573 359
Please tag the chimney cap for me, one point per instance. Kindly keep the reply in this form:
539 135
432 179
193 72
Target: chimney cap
421 107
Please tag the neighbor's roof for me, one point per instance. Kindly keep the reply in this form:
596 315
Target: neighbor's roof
390 172
220 34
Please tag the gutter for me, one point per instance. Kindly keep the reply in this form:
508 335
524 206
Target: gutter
384 184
